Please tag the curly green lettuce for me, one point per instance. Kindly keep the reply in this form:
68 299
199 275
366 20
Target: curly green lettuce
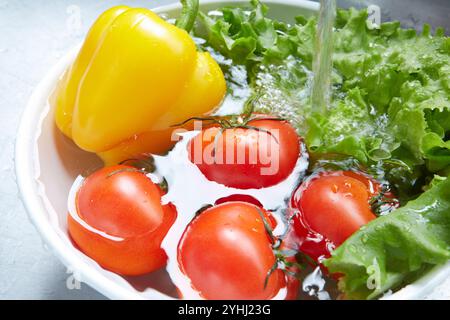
248 36
403 79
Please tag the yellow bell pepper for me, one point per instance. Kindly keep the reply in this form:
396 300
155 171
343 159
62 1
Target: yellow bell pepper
135 77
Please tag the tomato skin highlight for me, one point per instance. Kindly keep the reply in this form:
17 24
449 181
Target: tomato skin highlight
329 208
226 253
126 205
246 158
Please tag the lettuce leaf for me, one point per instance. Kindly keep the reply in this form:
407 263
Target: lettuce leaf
248 36
349 128
406 77
396 248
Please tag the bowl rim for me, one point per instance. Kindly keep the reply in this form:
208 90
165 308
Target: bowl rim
26 174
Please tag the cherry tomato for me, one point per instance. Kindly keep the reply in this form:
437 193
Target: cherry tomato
330 207
260 155
227 253
121 221
240 197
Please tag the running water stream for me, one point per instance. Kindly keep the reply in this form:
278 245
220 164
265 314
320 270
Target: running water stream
314 285
323 62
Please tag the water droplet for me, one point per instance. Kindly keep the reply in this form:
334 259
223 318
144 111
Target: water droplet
348 195
364 238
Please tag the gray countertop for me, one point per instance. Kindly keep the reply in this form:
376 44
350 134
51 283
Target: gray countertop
34 35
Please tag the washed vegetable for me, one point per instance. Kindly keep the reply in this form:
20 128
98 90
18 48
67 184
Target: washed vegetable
335 206
397 248
240 197
226 252
253 154
330 206
135 76
120 221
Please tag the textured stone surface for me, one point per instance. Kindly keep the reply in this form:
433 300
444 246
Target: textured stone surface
34 35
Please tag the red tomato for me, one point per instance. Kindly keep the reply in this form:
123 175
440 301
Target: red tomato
226 253
247 158
239 197
330 207
123 203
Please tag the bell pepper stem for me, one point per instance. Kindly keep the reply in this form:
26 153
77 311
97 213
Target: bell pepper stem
188 15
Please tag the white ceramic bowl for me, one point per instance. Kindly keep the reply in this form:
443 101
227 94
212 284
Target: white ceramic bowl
47 164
